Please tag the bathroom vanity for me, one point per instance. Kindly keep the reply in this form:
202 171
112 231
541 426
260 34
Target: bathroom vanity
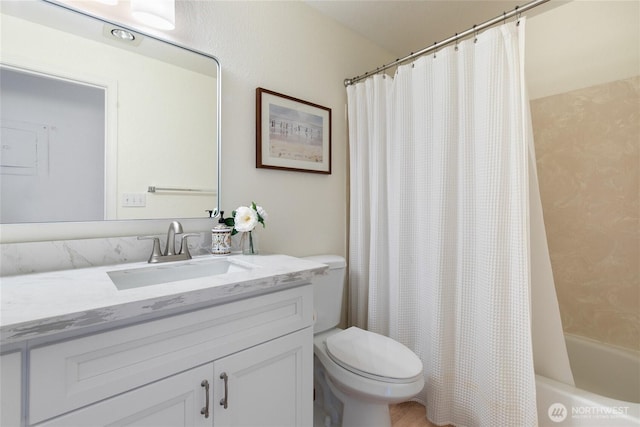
223 348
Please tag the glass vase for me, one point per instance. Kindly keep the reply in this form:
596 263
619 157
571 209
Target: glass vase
249 243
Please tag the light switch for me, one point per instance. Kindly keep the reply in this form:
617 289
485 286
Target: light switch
134 200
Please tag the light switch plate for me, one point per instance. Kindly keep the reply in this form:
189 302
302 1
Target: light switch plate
134 200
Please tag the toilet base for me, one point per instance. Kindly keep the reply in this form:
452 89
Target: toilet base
367 416
362 414
333 408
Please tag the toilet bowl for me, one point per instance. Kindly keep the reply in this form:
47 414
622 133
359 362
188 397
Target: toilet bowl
358 373
367 385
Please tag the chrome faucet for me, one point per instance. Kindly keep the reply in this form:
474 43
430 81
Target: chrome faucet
170 253
174 228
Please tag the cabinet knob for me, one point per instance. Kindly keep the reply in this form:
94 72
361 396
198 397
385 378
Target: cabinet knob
205 411
225 400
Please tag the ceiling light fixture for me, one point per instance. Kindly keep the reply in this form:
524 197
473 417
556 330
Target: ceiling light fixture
159 14
121 34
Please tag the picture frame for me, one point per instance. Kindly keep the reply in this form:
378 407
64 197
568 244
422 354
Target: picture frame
292 134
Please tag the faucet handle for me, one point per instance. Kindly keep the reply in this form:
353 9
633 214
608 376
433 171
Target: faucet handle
156 252
184 247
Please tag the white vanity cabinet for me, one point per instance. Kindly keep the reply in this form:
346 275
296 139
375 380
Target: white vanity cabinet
261 386
255 355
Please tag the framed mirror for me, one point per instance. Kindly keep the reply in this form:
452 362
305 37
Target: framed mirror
102 124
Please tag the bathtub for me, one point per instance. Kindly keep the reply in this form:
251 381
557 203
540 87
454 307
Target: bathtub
607 391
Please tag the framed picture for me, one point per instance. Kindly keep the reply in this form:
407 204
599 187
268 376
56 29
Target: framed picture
292 134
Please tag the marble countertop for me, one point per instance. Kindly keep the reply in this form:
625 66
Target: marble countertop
42 304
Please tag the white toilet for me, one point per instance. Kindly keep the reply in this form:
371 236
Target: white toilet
357 373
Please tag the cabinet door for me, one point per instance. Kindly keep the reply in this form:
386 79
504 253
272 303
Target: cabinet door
267 385
173 402
11 389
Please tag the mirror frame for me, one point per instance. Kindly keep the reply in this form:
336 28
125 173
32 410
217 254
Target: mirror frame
48 231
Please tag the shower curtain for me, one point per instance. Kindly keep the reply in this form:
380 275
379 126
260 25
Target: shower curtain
439 254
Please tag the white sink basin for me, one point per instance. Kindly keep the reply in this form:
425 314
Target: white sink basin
173 272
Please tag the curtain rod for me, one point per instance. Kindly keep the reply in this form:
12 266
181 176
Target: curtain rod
473 30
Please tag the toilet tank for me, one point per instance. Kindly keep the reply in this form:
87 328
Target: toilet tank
328 291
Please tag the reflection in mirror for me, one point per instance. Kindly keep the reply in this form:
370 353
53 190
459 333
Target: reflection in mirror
91 123
49 145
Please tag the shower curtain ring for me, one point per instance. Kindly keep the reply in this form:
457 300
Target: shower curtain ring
434 49
475 34
456 45
518 16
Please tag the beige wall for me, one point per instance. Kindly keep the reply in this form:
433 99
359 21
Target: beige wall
582 71
290 48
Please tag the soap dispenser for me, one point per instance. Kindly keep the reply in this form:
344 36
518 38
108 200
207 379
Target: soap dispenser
221 237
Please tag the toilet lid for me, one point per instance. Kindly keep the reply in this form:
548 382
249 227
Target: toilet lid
373 356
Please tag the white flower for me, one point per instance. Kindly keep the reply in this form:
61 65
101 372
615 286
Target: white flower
262 212
245 219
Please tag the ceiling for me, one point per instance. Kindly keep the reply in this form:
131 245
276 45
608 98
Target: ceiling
399 26
405 26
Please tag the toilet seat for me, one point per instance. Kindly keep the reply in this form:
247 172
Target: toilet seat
373 356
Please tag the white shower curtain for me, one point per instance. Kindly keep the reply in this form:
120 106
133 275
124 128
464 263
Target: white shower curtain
439 225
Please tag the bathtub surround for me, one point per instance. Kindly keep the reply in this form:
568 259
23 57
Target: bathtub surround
588 156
